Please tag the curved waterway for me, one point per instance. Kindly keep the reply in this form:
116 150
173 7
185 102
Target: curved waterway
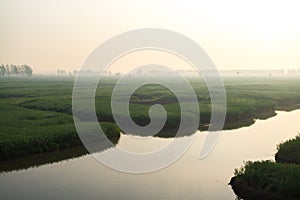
189 178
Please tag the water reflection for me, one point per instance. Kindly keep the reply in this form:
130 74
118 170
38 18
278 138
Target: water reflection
37 160
189 178
41 159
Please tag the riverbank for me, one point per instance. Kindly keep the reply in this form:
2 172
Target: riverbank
36 113
26 132
271 180
207 178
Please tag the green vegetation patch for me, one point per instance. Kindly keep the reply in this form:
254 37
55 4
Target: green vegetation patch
289 152
26 131
271 180
276 180
36 112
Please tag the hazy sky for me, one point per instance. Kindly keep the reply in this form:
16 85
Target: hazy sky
51 34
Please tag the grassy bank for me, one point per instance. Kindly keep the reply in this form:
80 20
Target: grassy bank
36 112
271 180
26 131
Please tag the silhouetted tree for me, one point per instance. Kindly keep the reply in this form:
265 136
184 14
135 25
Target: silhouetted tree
28 70
2 70
15 70
61 72
75 72
7 70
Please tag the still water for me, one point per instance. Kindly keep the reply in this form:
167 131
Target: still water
187 179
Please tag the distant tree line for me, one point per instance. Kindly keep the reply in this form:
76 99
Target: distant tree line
62 72
15 70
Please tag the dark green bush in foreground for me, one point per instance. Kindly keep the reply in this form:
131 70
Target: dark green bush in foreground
279 180
289 152
274 178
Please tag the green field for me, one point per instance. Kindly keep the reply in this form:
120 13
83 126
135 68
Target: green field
36 112
28 130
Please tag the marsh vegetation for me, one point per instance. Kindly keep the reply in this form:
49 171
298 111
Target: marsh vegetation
36 112
271 180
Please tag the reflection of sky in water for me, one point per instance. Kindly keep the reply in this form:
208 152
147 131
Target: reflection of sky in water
138 144
188 178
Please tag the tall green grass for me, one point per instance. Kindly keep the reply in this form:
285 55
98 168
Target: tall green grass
275 179
280 179
25 131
